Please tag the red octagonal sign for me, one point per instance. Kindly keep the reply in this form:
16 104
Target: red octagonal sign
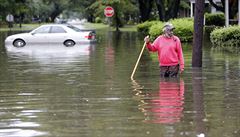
108 11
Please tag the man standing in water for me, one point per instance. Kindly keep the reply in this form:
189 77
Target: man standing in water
169 50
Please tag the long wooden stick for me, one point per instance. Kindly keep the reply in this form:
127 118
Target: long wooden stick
139 57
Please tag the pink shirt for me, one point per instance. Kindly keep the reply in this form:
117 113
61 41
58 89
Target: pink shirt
169 51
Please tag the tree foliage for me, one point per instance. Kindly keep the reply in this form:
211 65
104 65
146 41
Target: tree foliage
123 9
145 7
126 11
15 7
167 9
233 7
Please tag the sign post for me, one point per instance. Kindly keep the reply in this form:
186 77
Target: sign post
10 20
109 12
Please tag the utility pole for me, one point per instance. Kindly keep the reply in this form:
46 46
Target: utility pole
227 13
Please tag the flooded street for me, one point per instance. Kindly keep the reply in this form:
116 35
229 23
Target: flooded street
86 90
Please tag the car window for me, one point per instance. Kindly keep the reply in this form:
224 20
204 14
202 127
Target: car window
74 28
57 29
44 29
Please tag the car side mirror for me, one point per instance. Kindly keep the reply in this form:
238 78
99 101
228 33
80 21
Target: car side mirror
33 33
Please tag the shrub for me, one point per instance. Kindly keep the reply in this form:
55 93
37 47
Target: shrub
144 27
209 29
130 22
183 29
26 20
156 30
98 20
214 19
227 38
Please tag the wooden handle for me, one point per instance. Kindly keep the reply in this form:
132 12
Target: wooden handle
139 57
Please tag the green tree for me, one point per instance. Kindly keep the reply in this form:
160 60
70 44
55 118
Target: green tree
122 8
18 8
48 10
81 8
167 9
56 7
233 7
145 8
21 9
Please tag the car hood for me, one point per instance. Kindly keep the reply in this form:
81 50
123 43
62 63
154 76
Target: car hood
20 35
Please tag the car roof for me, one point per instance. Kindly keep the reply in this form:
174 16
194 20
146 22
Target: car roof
57 25
66 26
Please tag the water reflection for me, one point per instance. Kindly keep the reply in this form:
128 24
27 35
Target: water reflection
20 133
51 50
39 82
50 57
166 105
198 101
18 117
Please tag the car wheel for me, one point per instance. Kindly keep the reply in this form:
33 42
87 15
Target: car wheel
69 43
19 43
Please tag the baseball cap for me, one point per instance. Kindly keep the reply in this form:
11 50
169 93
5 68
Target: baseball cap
168 26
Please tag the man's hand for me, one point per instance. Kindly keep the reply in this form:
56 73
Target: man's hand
147 39
181 70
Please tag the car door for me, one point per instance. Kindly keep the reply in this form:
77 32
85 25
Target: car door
57 35
41 35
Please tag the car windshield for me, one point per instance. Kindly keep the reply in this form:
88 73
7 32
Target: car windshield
74 28
44 29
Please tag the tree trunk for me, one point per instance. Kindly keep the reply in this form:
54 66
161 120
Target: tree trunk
233 7
117 21
172 9
161 10
145 7
217 7
56 12
176 9
20 20
198 34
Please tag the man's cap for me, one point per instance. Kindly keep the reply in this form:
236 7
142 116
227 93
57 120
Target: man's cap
168 26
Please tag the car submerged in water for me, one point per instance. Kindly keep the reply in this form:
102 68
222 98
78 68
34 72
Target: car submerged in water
65 34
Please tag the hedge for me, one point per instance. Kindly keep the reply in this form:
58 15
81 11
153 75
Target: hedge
183 29
227 38
144 27
214 19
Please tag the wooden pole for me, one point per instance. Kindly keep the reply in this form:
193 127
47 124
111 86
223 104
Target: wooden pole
139 57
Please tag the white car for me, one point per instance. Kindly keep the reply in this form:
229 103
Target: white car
65 34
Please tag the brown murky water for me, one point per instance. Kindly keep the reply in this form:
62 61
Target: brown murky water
50 90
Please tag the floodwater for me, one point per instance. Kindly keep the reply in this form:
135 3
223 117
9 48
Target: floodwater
86 91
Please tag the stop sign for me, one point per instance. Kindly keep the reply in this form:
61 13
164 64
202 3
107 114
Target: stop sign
108 11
